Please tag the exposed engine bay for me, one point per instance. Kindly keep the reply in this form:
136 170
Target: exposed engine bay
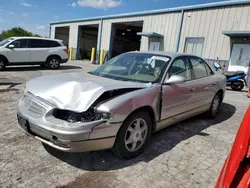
91 114
73 117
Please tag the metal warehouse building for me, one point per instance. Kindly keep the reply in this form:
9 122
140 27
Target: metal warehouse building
214 31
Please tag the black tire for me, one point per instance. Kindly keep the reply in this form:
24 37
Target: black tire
2 64
237 85
212 112
120 148
53 62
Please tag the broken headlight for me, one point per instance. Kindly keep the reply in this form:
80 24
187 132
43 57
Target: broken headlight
88 116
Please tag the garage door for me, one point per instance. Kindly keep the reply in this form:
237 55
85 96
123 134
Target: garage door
240 58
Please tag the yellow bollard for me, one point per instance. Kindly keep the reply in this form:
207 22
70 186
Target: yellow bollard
93 55
70 53
102 56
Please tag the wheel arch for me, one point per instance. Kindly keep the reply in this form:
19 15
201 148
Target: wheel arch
53 55
147 109
5 58
221 92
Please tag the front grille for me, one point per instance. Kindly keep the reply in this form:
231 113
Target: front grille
33 106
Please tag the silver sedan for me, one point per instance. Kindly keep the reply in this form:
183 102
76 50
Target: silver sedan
121 103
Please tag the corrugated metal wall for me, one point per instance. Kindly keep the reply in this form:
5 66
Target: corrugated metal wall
210 23
165 24
207 23
73 31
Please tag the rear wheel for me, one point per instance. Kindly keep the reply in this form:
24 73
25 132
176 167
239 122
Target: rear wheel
215 106
134 135
53 62
237 85
2 64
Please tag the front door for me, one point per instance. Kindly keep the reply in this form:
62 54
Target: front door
240 58
20 53
178 98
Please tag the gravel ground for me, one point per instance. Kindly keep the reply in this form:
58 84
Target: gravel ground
189 154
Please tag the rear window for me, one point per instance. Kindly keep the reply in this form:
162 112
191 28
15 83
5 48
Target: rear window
37 43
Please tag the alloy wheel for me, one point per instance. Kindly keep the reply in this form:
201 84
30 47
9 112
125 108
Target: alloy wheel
54 63
136 135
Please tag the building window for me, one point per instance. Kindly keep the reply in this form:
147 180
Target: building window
194 45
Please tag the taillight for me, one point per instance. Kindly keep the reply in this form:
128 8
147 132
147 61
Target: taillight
66 51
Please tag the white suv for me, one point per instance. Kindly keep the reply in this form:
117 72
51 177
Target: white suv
32 51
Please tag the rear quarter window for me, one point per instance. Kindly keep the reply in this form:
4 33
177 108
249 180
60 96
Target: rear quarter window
51 44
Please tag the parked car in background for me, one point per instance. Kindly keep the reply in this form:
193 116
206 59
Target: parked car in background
32 51
121 103
236 169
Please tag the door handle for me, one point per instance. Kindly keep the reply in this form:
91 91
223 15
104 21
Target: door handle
214 83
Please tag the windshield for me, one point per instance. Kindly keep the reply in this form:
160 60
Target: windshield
138 67
2 43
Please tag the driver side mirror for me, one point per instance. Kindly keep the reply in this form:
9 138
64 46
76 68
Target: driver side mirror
175 79
11 46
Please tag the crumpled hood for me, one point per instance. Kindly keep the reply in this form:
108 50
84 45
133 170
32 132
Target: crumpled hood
75 91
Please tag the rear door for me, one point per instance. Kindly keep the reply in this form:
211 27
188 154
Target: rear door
204 78
20 53
179 98
37 50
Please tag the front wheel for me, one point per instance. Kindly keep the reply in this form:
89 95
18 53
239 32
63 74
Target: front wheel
237 85
2 64
134 135
53 62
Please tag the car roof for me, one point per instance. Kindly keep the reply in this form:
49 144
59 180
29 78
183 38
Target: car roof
162 53
36 38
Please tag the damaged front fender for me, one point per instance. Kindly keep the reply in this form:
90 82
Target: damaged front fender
122 106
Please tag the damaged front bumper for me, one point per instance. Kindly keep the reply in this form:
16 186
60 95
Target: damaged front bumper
63 135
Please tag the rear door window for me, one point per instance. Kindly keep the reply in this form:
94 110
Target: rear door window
200 68
36 43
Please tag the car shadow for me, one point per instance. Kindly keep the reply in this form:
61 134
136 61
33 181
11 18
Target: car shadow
38 68
242 91
162 142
